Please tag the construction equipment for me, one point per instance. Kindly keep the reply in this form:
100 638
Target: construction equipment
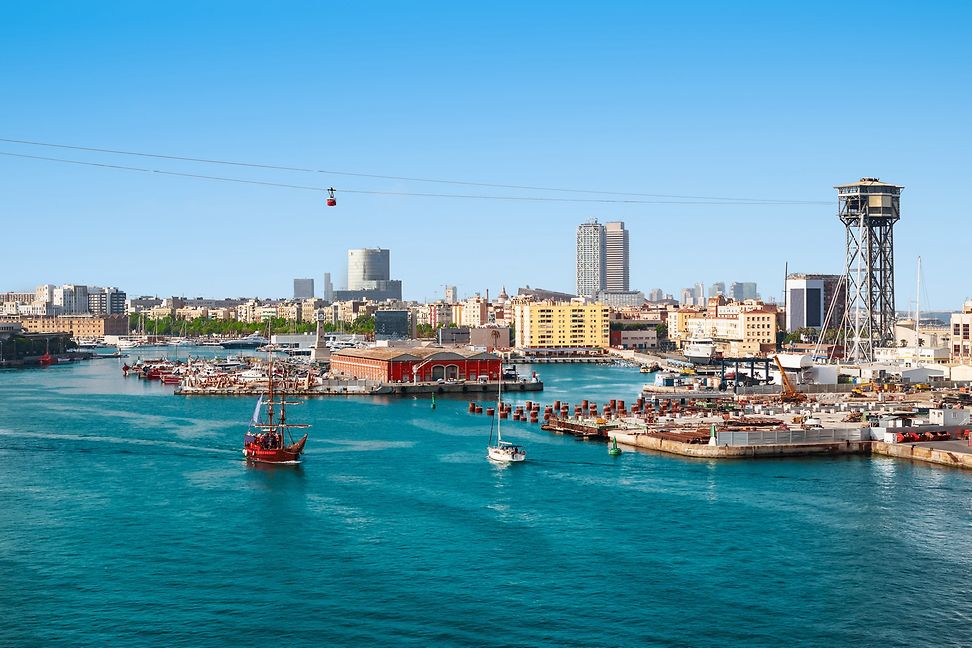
789 393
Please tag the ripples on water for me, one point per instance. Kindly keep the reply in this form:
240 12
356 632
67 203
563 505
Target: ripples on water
129 519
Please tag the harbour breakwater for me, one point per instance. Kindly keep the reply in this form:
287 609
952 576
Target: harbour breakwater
706 430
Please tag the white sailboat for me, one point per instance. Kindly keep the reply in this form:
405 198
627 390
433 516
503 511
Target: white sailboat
503 451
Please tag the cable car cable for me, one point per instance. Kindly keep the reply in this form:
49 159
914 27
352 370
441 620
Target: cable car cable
408 178
373 191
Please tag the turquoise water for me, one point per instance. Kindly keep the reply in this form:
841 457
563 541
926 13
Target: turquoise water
129 519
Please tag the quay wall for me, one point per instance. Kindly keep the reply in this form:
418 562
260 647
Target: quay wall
917 452
911 451
739 452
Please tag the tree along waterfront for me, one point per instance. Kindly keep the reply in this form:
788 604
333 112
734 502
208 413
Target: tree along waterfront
16 347
205 326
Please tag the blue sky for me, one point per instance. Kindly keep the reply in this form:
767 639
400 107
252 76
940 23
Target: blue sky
759 100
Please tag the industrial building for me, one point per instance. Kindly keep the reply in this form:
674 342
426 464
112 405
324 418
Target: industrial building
641 339
420 364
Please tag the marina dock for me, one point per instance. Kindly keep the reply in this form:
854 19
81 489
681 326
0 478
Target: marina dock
759 427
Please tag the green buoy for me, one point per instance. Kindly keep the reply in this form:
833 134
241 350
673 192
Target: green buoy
614 450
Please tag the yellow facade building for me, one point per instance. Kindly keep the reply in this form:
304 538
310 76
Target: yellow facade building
566 325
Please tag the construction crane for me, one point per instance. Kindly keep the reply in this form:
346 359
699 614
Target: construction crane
789 393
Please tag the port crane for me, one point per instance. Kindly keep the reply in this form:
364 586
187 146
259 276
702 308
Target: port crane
789 393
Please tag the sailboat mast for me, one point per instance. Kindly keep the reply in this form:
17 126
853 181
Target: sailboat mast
499 404
918 314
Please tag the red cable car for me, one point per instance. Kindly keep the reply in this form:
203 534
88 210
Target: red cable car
331 200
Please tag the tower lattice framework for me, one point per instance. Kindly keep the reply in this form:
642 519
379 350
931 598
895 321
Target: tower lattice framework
869 209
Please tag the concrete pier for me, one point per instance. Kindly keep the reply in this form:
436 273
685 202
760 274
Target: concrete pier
956 454
704 451
946 453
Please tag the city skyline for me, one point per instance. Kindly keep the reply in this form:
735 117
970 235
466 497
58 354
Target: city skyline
660 133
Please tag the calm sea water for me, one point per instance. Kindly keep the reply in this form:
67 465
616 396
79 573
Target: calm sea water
129 519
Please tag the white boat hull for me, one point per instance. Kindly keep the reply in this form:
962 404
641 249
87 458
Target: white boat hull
505 455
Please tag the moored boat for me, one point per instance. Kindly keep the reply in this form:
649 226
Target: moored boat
699 350
252 341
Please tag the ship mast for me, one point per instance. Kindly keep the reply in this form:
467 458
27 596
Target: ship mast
270 390
283 407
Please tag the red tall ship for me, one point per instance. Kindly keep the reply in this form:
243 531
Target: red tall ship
272 441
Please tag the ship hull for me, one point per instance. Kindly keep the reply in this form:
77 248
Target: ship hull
502 455
287 455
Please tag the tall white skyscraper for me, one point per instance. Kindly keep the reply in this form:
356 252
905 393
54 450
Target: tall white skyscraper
451 295
591 258
616 264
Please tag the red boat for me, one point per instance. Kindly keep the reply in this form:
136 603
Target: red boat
47 359
267 442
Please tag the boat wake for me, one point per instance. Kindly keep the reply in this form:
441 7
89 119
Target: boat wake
125 441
